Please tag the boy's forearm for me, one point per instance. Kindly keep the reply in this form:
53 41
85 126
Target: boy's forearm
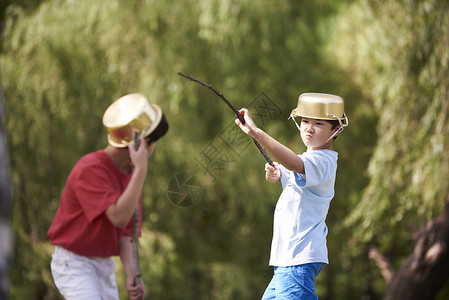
121 212
281 153
126 255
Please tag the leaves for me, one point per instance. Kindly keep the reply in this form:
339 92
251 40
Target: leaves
64 62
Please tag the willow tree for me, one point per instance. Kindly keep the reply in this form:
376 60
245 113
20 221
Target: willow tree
65 61
398 57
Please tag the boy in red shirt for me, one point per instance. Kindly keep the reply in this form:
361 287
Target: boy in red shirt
94 218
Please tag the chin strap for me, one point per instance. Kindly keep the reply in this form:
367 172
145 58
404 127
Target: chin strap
293 118
334 134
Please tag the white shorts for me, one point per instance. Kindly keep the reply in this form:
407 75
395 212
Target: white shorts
80 277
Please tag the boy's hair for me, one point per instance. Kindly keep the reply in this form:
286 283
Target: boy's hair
159 132
334 123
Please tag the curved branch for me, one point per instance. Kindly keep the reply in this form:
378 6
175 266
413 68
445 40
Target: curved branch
383 263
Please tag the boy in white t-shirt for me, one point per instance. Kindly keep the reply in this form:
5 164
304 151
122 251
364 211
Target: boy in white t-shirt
298 250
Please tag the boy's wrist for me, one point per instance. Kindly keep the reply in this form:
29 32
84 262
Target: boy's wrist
140 170
255 133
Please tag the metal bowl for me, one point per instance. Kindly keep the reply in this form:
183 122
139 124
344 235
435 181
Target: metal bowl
320 106
130 113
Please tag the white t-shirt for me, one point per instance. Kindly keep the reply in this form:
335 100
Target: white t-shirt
299 229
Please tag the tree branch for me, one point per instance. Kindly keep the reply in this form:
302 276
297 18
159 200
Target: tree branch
425 271
383 263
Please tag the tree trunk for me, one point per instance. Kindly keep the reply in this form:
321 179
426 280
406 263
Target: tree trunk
427 269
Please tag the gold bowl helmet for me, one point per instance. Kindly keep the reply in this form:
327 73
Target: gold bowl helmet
321 106
131 113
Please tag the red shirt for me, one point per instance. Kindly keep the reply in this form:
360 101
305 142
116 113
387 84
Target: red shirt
80 224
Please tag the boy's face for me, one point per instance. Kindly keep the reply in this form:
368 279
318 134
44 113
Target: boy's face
315 133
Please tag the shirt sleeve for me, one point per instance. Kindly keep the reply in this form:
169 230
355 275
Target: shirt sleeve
285 174
94 192
316 169
288 175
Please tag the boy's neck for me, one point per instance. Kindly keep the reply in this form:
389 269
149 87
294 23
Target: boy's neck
326 146
120 158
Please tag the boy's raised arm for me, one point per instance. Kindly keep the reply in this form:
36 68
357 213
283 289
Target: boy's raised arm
281 153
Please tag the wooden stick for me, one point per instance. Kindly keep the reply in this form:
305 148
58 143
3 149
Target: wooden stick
236 112
134 236
382 262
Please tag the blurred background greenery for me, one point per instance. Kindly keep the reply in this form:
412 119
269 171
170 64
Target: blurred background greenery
63 62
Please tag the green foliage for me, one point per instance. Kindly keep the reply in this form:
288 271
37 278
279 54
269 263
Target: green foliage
396 53
64 62
409 90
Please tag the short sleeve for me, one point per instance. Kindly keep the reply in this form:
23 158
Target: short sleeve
94 191
319 166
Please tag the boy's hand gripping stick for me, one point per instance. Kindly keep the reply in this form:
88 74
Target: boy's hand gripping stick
236 112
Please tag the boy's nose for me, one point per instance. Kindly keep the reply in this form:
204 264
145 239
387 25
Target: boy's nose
309 129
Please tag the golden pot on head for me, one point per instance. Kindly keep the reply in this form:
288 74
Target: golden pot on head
130 113
321 106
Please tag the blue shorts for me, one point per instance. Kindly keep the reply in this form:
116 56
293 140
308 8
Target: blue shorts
295 282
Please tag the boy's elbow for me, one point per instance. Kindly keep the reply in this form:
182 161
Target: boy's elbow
121 223
118 220
296 166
